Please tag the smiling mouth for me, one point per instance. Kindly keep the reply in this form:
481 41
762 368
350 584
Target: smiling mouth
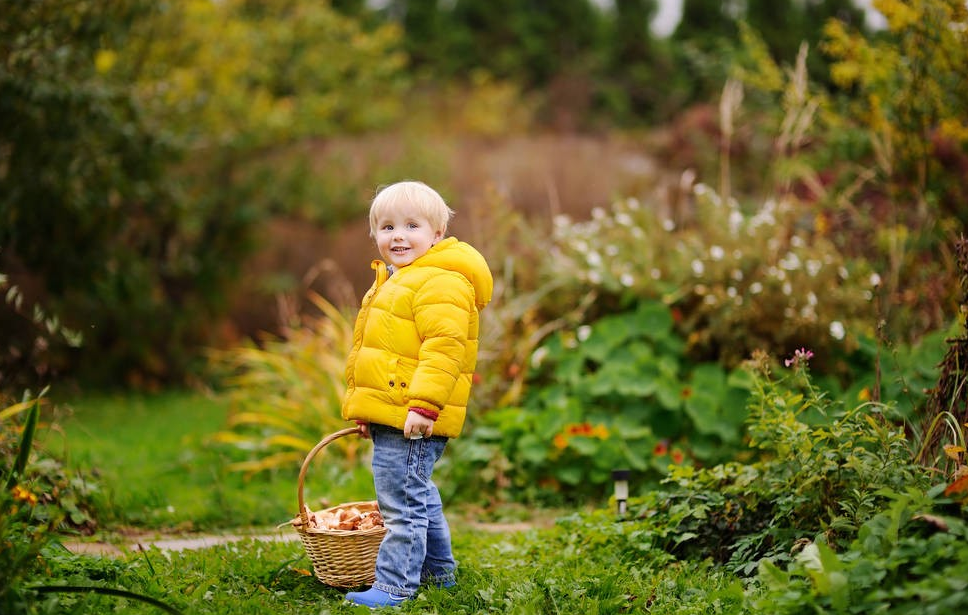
399 249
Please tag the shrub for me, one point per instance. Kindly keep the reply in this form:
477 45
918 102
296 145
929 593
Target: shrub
285 396
38 498
903 560
736 281
614 394
822 470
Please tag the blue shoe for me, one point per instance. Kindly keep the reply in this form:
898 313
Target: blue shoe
374 597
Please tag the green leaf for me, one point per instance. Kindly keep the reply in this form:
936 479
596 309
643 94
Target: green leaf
532 449
669 393
772 575
654 320
570 475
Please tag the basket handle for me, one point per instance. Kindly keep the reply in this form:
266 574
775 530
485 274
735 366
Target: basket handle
303 511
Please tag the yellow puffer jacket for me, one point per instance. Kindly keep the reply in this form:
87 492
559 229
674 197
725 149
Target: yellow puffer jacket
416 337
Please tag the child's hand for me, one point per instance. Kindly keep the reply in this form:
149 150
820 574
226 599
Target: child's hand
417 426
364 429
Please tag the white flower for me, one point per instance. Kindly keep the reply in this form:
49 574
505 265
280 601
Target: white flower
875 279
637 232
811 298
583 332
562 220
790 262
627 280
624 219
837 330
668 224
731 291
594 277
655 273
710 300
594 258
756 288
598 213
632 203
697 267
717 253
737 274
796 241
813 267
580 246
842 272
611 249
787 289
735 221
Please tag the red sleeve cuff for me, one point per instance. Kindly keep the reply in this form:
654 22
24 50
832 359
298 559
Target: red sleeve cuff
430 414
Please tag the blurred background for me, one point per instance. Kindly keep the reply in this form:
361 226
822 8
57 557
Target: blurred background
176 176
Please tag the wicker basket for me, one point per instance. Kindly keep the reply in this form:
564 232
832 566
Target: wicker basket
341 558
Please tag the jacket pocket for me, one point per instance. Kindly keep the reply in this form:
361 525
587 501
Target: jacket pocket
401 372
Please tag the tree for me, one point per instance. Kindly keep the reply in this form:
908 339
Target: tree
132 134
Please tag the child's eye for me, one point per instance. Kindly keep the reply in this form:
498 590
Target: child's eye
414 225
387 227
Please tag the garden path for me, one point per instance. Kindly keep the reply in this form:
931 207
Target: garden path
143 542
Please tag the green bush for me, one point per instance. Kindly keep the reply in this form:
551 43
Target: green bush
820 471
903 560
617 393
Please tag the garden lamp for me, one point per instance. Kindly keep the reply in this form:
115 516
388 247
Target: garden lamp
621 478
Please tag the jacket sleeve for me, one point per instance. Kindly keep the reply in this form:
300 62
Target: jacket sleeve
441 310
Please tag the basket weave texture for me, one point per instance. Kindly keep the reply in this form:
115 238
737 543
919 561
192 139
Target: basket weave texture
341 558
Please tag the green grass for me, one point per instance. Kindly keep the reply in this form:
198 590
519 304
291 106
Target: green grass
153 459
159 472
557 570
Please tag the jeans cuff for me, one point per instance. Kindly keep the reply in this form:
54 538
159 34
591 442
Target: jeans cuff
396 591
446 578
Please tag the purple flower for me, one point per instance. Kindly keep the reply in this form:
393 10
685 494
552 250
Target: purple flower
800 357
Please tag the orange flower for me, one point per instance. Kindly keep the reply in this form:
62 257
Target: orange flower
661 448
685 393
864 394
561 442
477 378
580 429
678 456
601 432
24 495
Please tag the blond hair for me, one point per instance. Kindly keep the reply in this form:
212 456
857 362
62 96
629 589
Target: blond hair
417 194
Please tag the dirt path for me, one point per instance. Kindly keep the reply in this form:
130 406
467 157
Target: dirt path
134 543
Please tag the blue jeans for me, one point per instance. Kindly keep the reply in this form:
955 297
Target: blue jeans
416 548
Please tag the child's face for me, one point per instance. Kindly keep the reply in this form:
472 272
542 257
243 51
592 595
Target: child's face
403 235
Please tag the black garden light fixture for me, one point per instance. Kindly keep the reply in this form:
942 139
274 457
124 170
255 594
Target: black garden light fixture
621 478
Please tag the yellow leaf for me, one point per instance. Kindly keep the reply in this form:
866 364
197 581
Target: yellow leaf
953 451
